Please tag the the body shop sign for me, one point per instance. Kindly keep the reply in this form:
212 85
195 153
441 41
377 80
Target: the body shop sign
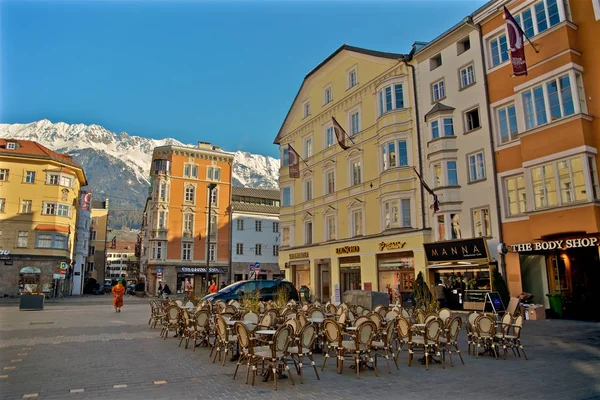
563 244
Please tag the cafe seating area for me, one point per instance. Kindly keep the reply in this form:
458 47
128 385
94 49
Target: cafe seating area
282 342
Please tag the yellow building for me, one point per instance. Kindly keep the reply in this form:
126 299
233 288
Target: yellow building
353 219
39 197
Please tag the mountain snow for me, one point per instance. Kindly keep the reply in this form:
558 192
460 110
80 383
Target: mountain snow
249 170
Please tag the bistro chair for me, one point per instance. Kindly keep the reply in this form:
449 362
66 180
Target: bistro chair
471 332
449 340
333 336
383 347
429 342
275 355
485 330
223 341
404 335
514 341
246 346
445 315
361 348
202 328
305 342
170 321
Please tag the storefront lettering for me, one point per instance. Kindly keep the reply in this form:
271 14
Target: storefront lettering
4 254
391 245
295 256
347 249
555 244
456 250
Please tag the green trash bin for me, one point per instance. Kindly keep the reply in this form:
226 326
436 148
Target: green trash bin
556 303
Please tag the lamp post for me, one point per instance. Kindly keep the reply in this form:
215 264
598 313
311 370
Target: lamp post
211 187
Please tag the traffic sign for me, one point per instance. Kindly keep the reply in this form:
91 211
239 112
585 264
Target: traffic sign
251 267
256 268
64 266
159 270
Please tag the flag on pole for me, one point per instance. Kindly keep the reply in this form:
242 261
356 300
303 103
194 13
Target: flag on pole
340 134
516 44
113 244
87 201
294 162
436 205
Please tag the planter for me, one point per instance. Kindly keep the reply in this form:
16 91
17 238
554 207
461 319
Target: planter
140 294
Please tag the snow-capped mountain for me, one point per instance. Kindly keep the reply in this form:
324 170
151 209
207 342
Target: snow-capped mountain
118 165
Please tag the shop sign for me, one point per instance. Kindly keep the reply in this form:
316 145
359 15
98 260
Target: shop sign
555 244
456 250
295 256
4 254
391 245
347 250
200 270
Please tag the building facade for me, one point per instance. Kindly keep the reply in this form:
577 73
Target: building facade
457 155
177 217
39 197
352 220
98 237
255 232
546 135
121 262
82 242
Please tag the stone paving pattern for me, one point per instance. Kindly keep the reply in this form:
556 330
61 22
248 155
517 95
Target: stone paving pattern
84 350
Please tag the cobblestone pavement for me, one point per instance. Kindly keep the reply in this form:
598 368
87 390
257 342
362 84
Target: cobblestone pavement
84 350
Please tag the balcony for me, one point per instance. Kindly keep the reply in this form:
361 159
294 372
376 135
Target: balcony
436 147
159 234
399 118
448 194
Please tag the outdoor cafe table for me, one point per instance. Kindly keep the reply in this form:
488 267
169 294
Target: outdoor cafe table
266 332
316 320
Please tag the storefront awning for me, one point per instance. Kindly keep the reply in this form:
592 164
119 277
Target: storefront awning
52 228
199 270
459 264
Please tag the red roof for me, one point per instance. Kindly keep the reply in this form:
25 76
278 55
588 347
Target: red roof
34 149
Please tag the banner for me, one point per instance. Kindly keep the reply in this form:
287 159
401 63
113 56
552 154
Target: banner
340 134
436 205
86 201
294 162
516 45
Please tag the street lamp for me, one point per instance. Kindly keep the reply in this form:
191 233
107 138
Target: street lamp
211 187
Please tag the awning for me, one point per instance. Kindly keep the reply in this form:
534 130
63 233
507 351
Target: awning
52 228
30 270
459 264
199 270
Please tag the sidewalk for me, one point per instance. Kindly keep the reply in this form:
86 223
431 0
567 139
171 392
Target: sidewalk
86 299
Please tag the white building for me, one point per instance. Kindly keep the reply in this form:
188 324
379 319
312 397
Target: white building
119 257
82 242
255 232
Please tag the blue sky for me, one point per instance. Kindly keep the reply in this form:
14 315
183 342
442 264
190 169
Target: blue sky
219 71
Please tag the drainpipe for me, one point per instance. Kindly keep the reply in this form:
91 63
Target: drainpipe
414 79
489 121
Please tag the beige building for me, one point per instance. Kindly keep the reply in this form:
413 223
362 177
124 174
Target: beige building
98 237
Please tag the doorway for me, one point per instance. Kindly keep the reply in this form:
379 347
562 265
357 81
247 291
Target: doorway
349 278
325 282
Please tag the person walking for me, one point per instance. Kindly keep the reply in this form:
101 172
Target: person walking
118 292
160 288
213 287
166 291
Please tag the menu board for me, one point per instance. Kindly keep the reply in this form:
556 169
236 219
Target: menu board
475 299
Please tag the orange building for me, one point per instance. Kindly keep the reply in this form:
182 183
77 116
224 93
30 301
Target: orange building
546 134
176 243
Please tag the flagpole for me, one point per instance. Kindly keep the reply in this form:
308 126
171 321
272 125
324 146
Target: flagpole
530 42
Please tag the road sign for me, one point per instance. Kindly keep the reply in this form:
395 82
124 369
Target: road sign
159 270
251 267
64 266
63 271
256 268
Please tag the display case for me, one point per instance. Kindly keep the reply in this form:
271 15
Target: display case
474 299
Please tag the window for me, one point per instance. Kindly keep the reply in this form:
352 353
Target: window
308 232
515 195
213 227
214 196
212 252
286 196
448 127
356 177
330 228
306 109
571 180
352 78
162 219
308 147
308 194
163 191
213 174
258 226
188 223
25 206
258 249
189 194
275 227
441 228
499 50
2 204
476 167
438 91
437 175
275 250
463 45
539 17
190 171
240 224
239 249
329 140
3 174
327 95
554 99
285 156
467 76
507 123
452 173
11 146
472 120
54 241
22 239
397 213
329 181
354 123
30 177
60 180
594 174
93 235
391 98
389 156
158 250
435 61
481 223
90 266
357 223
435 129
544 186
186 251
59 209
44 240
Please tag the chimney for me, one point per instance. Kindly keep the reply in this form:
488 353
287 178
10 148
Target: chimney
215 147
204 145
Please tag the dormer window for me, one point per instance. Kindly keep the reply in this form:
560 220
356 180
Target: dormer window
11 146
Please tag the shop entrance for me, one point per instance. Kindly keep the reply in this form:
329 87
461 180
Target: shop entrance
29 280
301 275
325 282
396 275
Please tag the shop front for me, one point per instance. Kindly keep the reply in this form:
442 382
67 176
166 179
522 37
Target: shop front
396 271
299 269
562 272
463 268
193 279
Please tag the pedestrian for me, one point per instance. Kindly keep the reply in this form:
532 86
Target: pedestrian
118 292
166 291
160 288
213 287
440 291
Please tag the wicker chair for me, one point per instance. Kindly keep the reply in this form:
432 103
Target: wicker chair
391 315
360 320
188 328
317 313
251 320
384 348
170 321
275 355
471 333
445 315
156 313
514 341
331 308
404 335
449 341
404 312
266 322
419 316
246 343
485 330
333 336
382 311
305 341
361 348
429 342
223 342
201 328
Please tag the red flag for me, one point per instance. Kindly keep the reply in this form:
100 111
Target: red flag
86 201
294 162
340 134
436 204
516 44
